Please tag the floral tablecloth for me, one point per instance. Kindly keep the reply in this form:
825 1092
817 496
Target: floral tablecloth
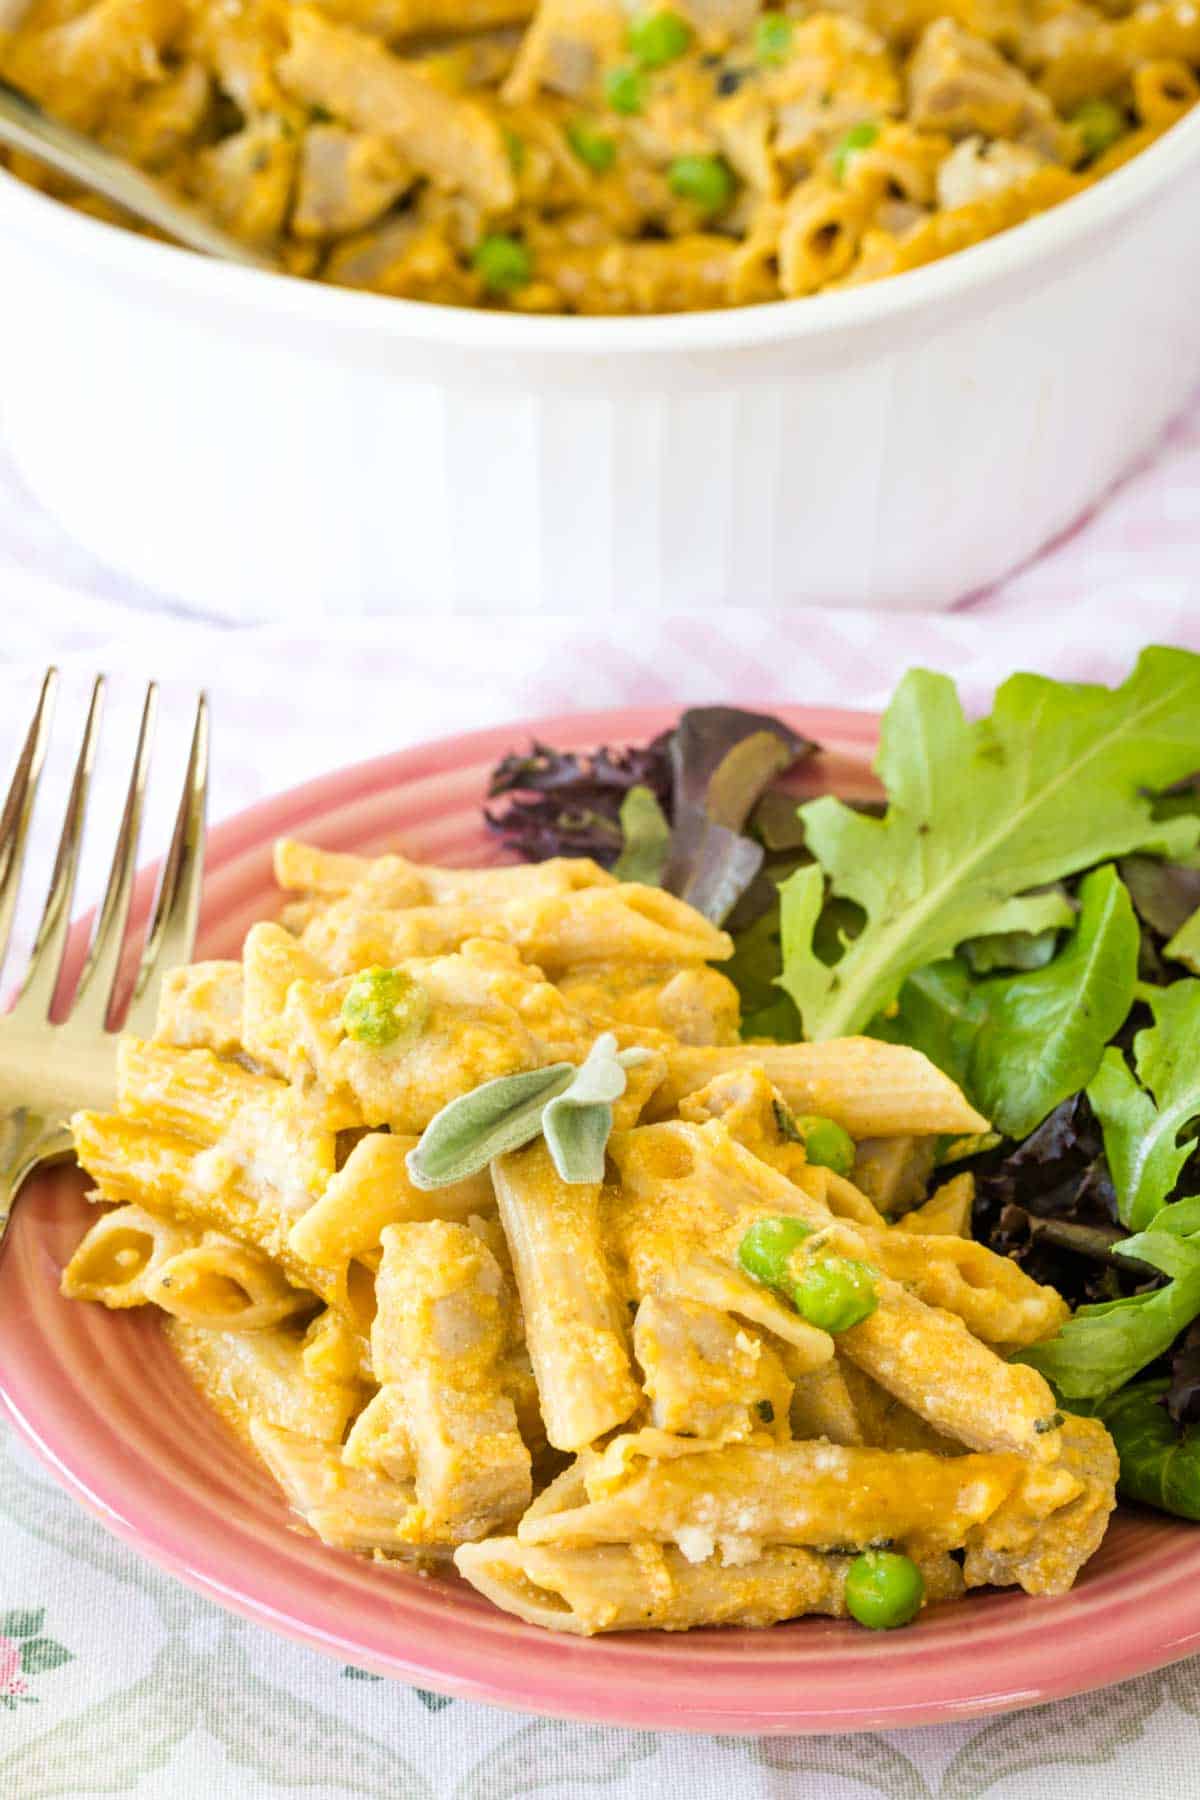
115 1680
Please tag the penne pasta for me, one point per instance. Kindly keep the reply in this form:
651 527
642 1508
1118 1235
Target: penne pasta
225 1286
652 1587
555 931
574 1330
346 1508
946 1213
119 1257
822 1496
393 881
341 1234
871 1088
260 1377
439 1335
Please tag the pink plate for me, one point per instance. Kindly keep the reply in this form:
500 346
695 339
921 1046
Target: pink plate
101 1399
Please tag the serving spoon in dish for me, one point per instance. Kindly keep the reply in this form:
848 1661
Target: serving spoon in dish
25 127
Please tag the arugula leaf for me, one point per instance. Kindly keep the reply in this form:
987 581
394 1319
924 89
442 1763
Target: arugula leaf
1102 1347
1010 950
646 838
1020 1044
1142 1117
1160 1464
939 1012
1043 1034
1057 778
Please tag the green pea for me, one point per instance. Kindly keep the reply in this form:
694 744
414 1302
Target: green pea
383 1005
773 37
592 147
766 1247
503 262
859 137
707 181
883 1589
826 1144
657 38
624 90
836 1292
1099 124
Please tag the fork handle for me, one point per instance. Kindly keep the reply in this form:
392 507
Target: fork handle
27 1140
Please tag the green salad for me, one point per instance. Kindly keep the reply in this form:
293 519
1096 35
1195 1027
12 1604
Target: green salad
1021 902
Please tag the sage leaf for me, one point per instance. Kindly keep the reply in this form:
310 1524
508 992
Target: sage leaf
469 1131
577 1122
511 1111
577 1137
599 1077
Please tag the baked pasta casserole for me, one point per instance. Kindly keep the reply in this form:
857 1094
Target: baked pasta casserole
467 1207
588 156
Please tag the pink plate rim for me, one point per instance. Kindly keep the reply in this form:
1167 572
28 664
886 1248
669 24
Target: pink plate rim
144 1455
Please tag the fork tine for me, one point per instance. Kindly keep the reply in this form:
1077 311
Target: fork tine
94 993
45 962
18 807
172 932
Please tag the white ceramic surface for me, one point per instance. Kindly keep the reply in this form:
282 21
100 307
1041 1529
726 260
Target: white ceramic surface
260 447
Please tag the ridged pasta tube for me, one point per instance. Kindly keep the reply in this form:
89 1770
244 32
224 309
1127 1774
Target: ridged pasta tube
652 1587
574 1329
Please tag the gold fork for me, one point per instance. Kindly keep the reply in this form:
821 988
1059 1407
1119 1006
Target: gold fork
50 1069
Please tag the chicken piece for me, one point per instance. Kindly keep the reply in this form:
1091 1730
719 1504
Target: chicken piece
706 1374
976 168
346 180
959 84
152 128
838 74
408 258
894 1171
719 22
241 45
80 69
1053 1521
450 139
489 1014
697 1005
565 48
246 180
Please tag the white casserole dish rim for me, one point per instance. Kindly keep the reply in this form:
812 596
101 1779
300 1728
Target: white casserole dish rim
1043 238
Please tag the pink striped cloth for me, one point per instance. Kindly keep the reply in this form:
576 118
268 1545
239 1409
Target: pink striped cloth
290 703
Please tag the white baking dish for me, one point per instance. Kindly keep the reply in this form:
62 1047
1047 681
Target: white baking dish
263 447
